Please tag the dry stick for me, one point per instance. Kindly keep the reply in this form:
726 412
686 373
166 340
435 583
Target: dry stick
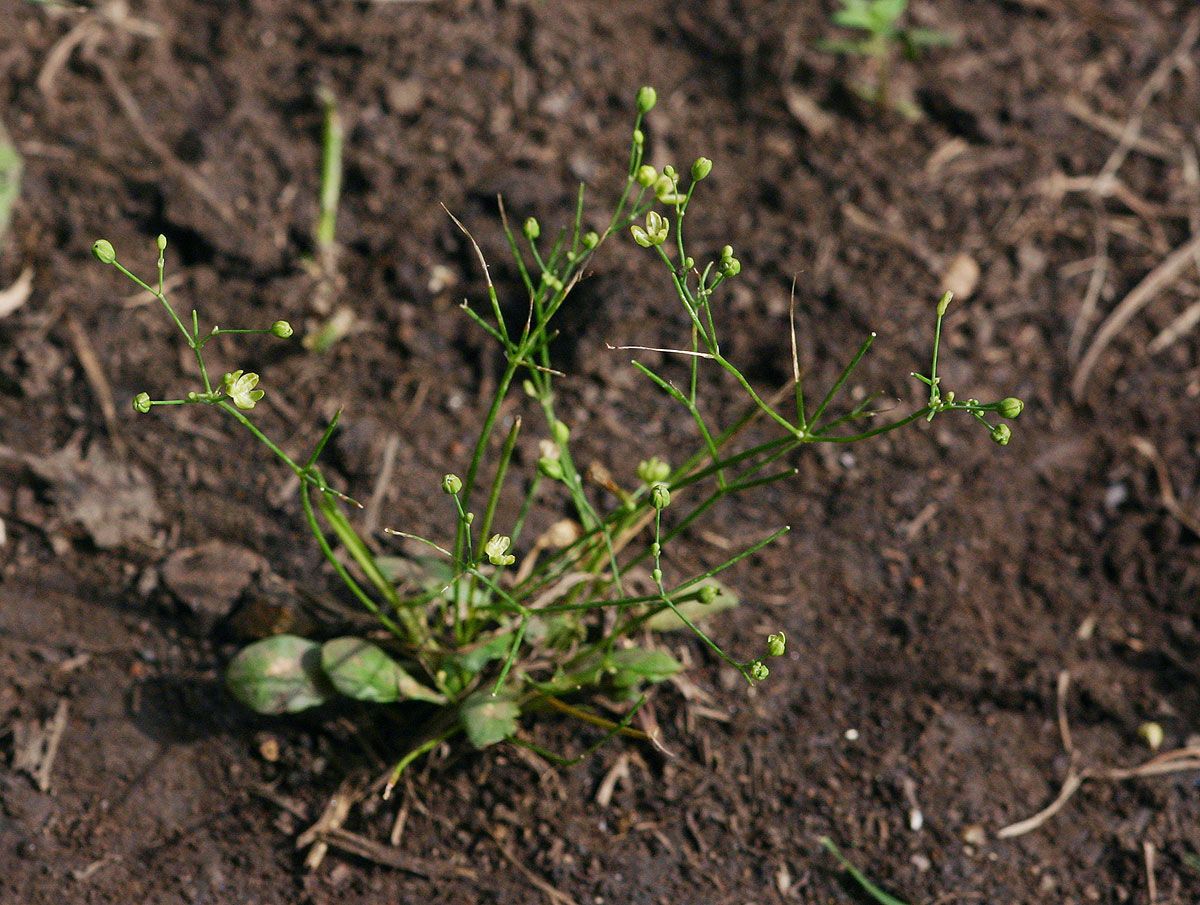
1179 760
1185 322
354 844
1153 85
54 734
1106 125
188 176
1166 489
98 382
337 809
556 896
1091 298
386 471
1104 184
1159 278
1151 886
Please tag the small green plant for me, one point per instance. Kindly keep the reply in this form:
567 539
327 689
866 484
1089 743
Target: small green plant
883 40
858 876
488 628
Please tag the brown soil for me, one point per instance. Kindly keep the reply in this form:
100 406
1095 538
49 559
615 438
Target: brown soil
935 585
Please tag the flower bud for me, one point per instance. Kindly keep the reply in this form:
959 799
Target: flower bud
647 97
282 329
776 644
657 576
141 403
638 136
701 168
451 484
103 251
1011 407
660 496
759 671
646 175
731 267
726 253
590 240
944 303
653 470
561 432
1001 433
532 229
161 242
551 468
708 594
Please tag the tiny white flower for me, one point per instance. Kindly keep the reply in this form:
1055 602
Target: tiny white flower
240 387
497 551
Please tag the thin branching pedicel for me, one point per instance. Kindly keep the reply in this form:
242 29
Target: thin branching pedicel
490 627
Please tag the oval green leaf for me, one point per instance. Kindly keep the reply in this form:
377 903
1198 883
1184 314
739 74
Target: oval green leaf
363 671
278 675
488 719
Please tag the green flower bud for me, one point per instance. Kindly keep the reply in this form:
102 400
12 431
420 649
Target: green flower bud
561 432
590 240
726 253
451 484
532 229
103 251
656 549
638 136
497 551
776 644
161 242
708 594
1001 433
646 176
653 470
732 267
141 403
647 97
669 172
660 496
944 303
282 329
759 671
1011 407
701 168
657 576
551 468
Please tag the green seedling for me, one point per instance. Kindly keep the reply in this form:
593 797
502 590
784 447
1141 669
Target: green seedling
882 40
336 324
859 877
11 167
487 629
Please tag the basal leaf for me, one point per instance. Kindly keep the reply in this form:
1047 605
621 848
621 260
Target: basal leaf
363 671
279 675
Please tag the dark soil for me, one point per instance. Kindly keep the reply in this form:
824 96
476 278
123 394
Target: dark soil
934 585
